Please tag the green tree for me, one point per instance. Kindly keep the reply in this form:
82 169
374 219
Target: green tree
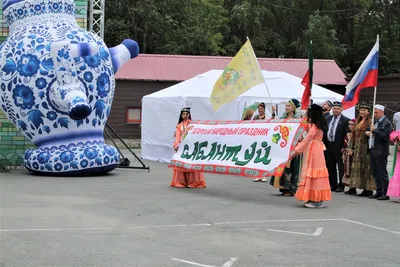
321 31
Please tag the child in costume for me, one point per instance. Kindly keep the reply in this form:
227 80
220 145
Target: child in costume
182 177
314 187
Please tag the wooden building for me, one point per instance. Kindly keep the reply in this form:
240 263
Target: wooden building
147 74
388 94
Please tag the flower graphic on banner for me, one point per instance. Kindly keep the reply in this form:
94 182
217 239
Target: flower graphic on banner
284 133
276 137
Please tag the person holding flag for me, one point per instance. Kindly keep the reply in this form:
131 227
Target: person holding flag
379 135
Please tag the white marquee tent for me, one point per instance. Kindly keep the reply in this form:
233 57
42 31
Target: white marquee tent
160 110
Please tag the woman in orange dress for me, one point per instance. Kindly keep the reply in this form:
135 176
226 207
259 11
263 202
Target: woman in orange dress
182 177
314 185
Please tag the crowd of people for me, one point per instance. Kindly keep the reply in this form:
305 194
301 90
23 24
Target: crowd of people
336 152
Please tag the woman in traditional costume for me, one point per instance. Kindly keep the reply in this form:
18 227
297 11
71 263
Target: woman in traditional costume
182 177
261 116
347 151
394 183
361 174
314 186
287 183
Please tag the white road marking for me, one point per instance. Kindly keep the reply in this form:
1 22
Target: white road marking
316 233
192 225
230 262
271 221
56 229
192 263
371 226
169 226
226 264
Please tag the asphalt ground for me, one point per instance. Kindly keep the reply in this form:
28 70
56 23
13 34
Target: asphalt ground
133 218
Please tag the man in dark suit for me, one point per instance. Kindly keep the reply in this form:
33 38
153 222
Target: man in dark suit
380 134
338 127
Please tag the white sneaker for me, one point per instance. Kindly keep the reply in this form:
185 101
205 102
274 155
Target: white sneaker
264 180
257 180
314 205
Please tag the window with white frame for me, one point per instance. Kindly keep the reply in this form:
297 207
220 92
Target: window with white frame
133 115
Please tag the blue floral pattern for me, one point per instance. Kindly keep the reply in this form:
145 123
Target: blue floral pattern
28 65
23 97
73 157
29 78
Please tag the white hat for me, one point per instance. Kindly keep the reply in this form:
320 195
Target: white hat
380 107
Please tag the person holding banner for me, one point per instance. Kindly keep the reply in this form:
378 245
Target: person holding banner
261 112
314 187
287 183
181 177
261 116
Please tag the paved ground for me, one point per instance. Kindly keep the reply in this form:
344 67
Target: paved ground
133 218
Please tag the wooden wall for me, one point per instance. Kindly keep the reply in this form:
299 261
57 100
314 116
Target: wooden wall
388 94
129 94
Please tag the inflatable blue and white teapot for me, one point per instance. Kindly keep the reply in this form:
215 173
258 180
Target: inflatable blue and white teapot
57 87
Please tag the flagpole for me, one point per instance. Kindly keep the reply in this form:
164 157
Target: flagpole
373 105
266 87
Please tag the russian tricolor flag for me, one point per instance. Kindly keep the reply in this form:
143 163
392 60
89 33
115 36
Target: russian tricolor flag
365 77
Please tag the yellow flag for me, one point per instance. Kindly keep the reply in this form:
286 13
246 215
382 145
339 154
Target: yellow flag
240 75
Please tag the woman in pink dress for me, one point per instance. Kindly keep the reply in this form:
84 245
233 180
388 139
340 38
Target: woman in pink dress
314 185
182 177
394 184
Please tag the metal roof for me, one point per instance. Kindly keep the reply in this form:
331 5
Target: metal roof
151 67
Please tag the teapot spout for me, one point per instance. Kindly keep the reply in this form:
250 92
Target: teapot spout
122 53
68 93
71 100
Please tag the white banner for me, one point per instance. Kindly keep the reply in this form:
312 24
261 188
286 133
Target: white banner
246 148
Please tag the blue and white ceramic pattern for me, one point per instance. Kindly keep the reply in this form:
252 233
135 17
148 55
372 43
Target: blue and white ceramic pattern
57 87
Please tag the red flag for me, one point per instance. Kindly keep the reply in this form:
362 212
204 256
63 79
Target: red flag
305 100
307 80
